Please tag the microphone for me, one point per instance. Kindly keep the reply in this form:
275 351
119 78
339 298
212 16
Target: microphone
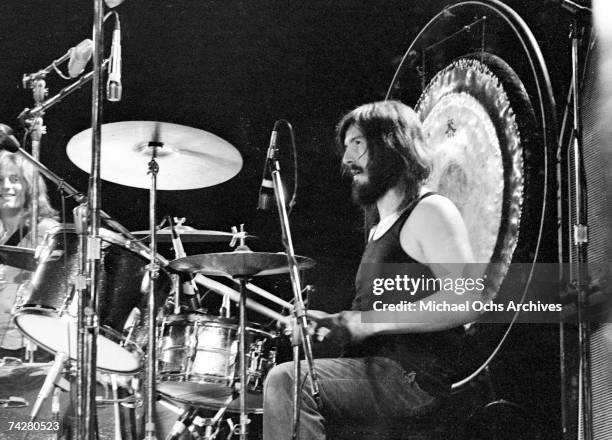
266 190
113 85
79 57
8 142
55 373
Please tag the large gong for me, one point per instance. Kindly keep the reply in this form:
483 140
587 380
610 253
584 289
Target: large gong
477 149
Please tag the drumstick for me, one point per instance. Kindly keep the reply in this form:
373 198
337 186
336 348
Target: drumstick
267 295
234 295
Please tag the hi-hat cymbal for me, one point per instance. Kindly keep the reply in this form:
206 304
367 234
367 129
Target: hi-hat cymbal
189 158
192 236
238 263
19 257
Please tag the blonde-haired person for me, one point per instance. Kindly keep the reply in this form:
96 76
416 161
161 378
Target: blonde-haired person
16 183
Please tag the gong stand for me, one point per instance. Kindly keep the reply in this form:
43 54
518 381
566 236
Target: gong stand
580 236
299 309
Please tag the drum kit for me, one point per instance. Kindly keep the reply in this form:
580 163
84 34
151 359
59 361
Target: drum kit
202 361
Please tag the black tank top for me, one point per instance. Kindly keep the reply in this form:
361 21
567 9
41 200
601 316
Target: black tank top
432 356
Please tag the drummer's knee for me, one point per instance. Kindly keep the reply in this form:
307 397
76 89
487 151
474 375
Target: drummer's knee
279 381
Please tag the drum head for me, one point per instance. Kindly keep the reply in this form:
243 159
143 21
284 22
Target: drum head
58 335
48 313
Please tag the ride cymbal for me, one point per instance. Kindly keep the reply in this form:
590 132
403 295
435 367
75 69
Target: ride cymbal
188 157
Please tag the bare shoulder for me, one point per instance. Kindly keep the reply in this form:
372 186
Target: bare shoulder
436 210
435 231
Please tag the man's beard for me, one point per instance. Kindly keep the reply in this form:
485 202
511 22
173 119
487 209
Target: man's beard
367 193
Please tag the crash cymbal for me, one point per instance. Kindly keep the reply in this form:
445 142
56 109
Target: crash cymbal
191 236
19 257
189 158
238 263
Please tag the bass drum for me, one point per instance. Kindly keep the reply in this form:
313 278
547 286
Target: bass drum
47 313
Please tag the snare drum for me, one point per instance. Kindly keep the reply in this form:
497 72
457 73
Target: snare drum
204 349
48 312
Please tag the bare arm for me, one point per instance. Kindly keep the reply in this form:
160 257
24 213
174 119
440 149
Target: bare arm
434 235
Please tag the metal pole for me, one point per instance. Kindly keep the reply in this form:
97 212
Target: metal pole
150 433
299 308
93 239
580 232
244 418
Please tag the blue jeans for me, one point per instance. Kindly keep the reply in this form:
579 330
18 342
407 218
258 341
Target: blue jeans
362 391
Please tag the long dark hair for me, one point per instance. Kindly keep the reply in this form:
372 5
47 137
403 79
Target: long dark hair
396 147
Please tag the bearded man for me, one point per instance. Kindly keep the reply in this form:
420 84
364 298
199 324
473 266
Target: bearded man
391 368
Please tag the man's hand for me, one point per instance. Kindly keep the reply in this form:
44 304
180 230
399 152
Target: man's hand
342 328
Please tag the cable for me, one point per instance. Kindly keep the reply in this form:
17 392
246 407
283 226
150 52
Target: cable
292 200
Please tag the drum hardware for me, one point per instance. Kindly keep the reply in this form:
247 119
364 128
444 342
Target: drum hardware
184 421
19 257
54 379
210 423
153 267
116 409
13 402
189 286
241 264
222 289
131 322
189 235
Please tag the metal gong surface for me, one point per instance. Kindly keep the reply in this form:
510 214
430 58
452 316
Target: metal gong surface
477 155
468 167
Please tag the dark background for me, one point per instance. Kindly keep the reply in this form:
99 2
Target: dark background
233 68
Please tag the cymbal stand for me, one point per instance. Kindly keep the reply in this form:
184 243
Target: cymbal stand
243 428
299 309
153 269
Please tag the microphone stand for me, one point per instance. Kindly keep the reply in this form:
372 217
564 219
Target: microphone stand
37 129
299 310
35 125
29 114
86 416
